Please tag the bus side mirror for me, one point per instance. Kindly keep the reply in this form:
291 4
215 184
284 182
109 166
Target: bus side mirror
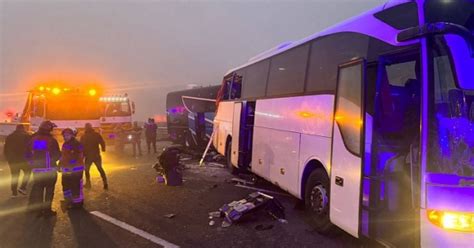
133 107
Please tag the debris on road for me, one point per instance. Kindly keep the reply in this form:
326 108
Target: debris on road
237 210
283 221
242 181
216 214
219 159
169 166
170 216
212 223
225 224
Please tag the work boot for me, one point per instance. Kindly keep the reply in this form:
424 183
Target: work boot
106 186
87 185
22 191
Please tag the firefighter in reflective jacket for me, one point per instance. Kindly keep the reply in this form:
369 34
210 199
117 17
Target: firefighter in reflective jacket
72 168
42 154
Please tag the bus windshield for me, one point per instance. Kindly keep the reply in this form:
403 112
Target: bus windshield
451 139
64 108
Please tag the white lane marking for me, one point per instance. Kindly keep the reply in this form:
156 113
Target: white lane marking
135 230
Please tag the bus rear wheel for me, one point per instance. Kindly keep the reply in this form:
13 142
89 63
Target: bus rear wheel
317 201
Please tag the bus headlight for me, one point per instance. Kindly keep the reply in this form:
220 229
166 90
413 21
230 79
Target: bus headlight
457 221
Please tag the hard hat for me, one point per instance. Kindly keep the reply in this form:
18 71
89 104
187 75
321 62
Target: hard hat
47 126
72 131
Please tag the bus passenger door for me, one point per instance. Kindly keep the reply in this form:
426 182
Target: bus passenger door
242 133
236 134
347 147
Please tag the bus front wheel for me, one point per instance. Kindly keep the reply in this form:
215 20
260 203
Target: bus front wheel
228 155
317 201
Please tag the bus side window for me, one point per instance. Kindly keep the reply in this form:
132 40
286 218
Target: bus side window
236 86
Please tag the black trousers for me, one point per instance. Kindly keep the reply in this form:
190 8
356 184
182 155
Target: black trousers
42 190
15 169
151 141
97 160
72 187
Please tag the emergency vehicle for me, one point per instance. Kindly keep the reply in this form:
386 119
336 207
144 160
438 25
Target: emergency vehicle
72 107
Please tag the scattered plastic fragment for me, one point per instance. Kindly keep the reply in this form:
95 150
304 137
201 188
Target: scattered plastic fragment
170 216
225 224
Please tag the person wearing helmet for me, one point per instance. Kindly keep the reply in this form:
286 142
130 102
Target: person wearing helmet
91 140
42 154
72 167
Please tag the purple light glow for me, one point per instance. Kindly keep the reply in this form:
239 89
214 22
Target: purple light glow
464 63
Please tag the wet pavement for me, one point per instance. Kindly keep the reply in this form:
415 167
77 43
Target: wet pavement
135 198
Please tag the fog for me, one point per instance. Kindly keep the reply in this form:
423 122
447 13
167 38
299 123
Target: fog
147 48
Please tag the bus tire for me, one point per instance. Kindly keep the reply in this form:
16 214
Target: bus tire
228 156
317 201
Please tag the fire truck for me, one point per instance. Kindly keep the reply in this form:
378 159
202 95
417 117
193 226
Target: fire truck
116 115
73 107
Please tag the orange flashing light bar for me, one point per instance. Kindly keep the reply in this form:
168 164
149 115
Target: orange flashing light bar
56 90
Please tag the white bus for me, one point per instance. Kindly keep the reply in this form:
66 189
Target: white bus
370 123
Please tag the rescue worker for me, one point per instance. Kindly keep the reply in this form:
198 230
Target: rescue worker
150 134
91 140
136 139
42 154
72 168
120 139
14 150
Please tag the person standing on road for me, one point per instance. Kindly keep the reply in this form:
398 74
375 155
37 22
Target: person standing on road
136 139
91 140
42 154
120 139
72 167
14 150
150 134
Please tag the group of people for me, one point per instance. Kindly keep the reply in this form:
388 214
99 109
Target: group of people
39 154
134 137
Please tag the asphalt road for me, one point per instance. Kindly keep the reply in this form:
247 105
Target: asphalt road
135 198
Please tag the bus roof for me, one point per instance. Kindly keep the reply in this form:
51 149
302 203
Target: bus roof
365 23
